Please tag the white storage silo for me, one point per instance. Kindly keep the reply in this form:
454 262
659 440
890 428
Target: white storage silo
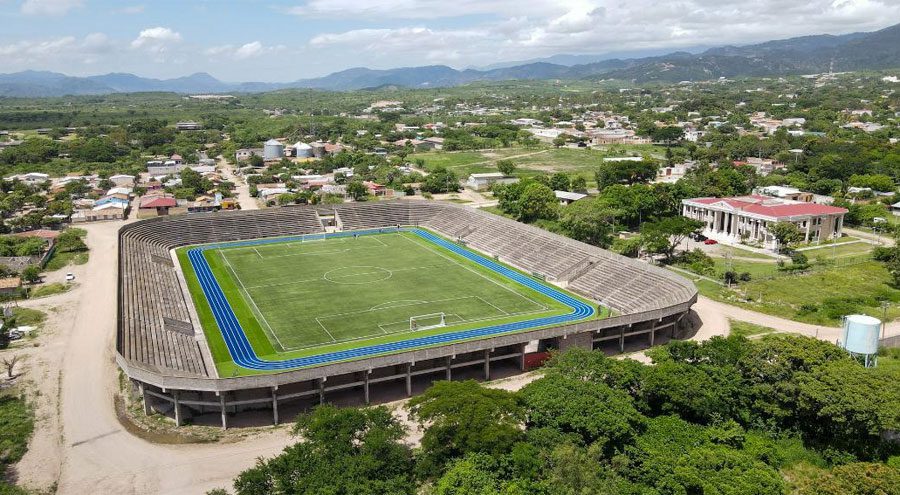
273 150
303 150
861 336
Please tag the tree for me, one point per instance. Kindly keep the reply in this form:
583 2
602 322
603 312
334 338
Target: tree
579 184
844 404
787 234
441 180
593 411
665 235
625 172
560 182
506 167
856 479
31 274
474 474
588 221
10 364
341 451
357 190
537 201
464 417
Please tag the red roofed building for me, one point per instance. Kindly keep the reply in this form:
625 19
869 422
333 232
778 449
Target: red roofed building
159 203
750 218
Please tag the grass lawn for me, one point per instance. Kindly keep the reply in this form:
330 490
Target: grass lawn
742 253
61 260
744 329
45 290
531 161
296 299
838 250
820 297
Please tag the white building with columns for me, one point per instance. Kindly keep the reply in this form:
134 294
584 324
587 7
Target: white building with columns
750 218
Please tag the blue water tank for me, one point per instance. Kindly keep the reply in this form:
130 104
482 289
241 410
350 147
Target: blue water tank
861 334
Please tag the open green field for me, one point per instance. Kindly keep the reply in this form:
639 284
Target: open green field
296 299
542 159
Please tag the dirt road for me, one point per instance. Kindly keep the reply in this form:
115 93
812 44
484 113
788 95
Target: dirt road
241 189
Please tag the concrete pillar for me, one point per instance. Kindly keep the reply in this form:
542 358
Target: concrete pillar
409 379
366 385
487 364
177 408
522 357
224 411
449 369
321 390
145 399
275 405
652 332
622 339
583 340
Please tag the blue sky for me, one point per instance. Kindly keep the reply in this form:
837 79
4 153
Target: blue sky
281 40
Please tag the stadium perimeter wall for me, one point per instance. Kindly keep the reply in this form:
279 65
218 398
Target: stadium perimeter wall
196 391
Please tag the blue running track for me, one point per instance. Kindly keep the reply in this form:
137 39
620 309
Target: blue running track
243 354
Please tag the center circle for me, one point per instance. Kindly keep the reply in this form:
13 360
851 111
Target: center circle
357 275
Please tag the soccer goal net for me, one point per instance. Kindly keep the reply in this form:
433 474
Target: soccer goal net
424 322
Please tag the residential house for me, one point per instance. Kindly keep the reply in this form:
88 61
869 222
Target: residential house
483 182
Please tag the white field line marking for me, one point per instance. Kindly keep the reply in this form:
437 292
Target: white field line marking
362 311
294 282
429 248
391 304
407 330
333 340
489 303
257 253
247 297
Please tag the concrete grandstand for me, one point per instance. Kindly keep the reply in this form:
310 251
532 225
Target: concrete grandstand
163 351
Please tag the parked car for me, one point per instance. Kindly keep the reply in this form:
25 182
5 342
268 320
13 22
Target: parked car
710 242
70 277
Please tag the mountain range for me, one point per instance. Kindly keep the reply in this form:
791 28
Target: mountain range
807 54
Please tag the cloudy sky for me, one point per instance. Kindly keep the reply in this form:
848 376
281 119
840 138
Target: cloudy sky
283 40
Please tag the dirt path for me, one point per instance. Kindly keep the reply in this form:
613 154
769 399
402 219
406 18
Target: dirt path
241 188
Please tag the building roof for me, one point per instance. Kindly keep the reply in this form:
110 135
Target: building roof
158 202
772 207
569 196
10 283
487 175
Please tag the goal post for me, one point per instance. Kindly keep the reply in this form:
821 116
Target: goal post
425 322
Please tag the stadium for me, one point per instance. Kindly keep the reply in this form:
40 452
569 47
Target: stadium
224 313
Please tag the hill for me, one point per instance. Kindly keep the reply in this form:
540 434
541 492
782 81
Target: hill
801 55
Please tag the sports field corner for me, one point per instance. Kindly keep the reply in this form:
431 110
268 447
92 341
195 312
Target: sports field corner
277 304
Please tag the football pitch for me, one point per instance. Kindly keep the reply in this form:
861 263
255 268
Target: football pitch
277 304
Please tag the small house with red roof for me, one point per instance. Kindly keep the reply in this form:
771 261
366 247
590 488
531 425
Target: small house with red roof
158 202
750 219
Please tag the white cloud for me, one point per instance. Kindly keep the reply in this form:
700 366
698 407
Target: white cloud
515 30
157 41
132 10
246 51
39 52
50 7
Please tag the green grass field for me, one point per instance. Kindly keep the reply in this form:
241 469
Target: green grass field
297 299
